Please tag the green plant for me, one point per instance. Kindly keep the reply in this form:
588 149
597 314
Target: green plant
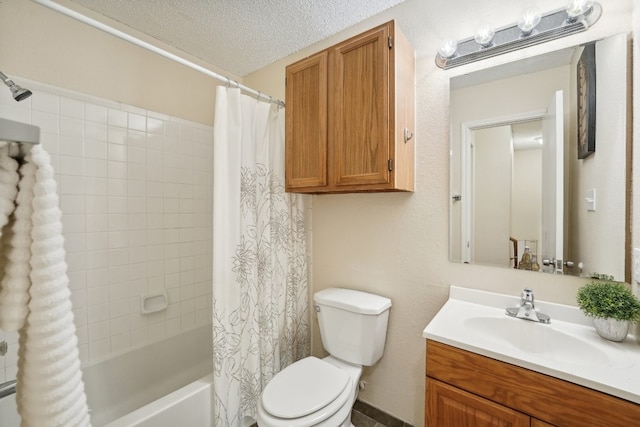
609 300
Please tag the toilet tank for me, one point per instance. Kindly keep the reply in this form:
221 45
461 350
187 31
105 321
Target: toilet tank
353 324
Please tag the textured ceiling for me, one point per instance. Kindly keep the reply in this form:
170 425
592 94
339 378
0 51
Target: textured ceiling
239 36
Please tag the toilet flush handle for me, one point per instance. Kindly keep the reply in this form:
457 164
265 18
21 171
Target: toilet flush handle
317 307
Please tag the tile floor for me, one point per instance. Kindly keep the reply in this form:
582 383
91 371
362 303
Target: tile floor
358 419
365 415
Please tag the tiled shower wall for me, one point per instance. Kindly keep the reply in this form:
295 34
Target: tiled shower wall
135 190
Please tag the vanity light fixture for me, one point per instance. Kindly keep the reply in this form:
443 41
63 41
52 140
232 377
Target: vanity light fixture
532 29
484 35
529 20
448 48
577 8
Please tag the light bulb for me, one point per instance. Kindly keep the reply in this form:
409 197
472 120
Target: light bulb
529 20
448 48
577 8
484 35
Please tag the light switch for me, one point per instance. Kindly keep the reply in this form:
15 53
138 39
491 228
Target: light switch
590 198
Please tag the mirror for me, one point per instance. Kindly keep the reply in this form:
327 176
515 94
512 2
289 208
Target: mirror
528 189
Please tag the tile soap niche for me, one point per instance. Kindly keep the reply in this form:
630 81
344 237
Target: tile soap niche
153 303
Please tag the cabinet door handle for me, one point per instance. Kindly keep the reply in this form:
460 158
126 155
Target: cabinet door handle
407 135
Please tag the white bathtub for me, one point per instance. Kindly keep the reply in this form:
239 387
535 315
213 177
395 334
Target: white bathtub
188 406
130 389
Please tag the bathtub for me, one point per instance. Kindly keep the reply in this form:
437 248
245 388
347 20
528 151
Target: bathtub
187 406
149 386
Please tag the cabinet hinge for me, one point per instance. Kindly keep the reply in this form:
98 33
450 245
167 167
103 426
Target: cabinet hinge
390 40
390 165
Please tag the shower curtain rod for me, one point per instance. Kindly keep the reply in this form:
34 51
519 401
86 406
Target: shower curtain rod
124 36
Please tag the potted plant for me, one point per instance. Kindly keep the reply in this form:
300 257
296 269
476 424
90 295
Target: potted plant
612 306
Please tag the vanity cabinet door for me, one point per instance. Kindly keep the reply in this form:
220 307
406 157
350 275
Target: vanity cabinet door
448 406
538 423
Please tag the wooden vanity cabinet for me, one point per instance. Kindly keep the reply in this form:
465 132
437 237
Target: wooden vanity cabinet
350 116
464 389
451 406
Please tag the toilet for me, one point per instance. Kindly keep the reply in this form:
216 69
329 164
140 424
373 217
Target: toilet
321 392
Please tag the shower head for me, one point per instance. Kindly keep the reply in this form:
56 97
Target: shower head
18 92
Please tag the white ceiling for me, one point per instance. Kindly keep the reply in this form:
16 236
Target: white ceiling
239 36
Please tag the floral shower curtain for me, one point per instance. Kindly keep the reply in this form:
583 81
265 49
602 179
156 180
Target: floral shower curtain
260 293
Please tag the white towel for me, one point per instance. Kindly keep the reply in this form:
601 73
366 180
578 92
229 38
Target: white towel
50 391
14 286
8 183
9 320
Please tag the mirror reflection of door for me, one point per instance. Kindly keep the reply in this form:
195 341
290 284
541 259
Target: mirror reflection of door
506 192
510 199
491 195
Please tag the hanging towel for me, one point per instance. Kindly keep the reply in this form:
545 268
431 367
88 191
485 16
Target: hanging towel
14 286
50 391
8 183
8 190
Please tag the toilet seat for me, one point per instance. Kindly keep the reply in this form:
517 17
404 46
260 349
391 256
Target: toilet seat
321 388
303 388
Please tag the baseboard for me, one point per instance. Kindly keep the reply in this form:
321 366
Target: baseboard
378 415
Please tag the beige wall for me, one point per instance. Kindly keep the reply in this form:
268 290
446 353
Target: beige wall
46 46
400 247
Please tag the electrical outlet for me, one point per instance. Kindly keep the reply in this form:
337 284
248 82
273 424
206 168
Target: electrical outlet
636 264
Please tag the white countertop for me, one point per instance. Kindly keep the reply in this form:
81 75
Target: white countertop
568 348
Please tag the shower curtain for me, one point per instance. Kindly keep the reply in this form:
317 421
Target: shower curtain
260 292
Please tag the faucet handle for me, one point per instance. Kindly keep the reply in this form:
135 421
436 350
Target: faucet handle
527 296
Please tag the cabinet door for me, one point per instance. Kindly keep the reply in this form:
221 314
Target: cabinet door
359 114
306 123
448 406
538 423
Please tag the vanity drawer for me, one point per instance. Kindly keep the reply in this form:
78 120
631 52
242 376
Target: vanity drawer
549 399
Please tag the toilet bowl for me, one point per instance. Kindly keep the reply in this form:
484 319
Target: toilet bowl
321 392
311 392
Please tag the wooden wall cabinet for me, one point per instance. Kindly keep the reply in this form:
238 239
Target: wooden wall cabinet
464 389
350 116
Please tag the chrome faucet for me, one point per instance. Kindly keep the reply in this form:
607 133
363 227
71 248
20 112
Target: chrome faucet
527 309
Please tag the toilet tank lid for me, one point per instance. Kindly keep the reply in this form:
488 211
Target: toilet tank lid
352 300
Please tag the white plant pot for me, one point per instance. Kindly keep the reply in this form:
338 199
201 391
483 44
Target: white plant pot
611 329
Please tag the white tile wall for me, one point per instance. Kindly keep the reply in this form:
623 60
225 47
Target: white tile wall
135 190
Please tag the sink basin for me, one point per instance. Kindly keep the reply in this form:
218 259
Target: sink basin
537 339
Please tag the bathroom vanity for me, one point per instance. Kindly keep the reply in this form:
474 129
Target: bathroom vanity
484 368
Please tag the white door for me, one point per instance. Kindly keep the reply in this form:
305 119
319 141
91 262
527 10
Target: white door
553 181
